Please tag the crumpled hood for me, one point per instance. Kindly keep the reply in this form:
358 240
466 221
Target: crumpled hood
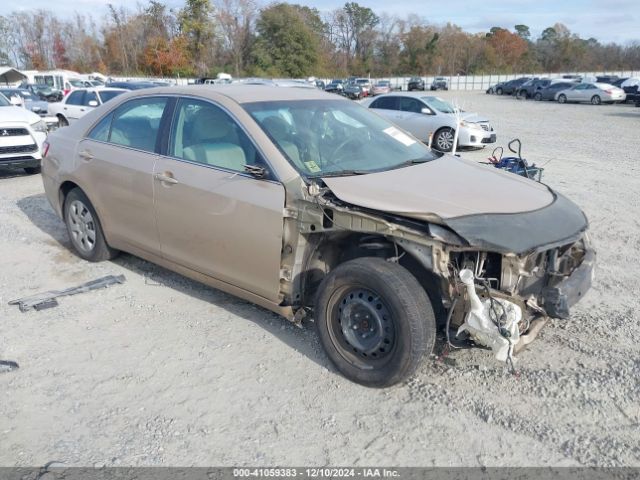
444 188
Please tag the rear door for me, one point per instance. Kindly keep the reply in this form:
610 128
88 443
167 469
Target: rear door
115 165
212 216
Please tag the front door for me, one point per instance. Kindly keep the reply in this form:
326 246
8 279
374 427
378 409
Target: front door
212 216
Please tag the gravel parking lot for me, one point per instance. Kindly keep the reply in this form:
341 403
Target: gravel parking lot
164 371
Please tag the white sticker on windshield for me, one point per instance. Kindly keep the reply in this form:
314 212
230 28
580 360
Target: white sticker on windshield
399 136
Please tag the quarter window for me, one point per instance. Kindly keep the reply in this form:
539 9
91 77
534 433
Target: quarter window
204 133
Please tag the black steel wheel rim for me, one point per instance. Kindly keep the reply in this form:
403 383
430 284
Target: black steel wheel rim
362 327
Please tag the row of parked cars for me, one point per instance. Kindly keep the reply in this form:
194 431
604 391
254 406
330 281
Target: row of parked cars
572 88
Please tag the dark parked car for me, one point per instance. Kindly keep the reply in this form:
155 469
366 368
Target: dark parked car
511 87
335 86
528 89
132 85
354 91
549 92
618 82
440 83
415 83
319 84
45 92
607 79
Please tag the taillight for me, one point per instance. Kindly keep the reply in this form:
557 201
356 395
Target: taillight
65 91
45 149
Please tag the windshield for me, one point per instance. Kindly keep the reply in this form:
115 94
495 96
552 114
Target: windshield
4 101
336 137
107 95
439 104
76 83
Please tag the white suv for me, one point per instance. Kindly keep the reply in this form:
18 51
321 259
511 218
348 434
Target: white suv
22 134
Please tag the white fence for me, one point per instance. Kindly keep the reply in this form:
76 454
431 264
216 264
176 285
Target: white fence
456 82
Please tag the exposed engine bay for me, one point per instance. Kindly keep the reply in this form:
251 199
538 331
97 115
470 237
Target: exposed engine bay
497 299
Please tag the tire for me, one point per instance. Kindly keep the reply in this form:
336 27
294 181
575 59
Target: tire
596 100
443 140
392 302
32 170
62 121
562 99
521 95
498 91
84 228
537 97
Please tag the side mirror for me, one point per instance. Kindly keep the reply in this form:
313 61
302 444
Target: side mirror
93 103
426 111
255 171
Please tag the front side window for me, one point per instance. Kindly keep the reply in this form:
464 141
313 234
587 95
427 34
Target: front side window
75 98
136 123
88 97
336 137
204 133
410 105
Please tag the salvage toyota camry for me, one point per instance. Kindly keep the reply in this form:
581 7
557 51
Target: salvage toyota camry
312 206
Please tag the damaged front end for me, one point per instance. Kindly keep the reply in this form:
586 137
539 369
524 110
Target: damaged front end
494 279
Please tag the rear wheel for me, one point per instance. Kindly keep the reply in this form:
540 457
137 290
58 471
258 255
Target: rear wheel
443 139
499 91
537 97
84 228
562 99
375 321
62 121
596 100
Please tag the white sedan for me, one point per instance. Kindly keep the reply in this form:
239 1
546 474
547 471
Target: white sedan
426 115
80 101
594 93
22 134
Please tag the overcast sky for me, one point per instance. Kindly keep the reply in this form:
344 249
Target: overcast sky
606 20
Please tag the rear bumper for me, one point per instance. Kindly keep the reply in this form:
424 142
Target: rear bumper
559 299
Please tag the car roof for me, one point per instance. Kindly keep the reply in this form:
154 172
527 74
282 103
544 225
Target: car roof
101 89
244 93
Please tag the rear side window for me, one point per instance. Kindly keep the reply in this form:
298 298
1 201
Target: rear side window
385 103
75 98
88 97
136 123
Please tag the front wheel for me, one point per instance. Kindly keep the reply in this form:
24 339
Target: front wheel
499 91
84 228
596 100
375 321
443 140
562 99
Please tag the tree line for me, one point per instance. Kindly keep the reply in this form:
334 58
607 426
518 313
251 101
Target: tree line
244 38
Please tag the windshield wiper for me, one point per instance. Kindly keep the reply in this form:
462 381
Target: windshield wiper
341 173
413 161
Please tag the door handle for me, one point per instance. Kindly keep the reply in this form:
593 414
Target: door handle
166 177
86 154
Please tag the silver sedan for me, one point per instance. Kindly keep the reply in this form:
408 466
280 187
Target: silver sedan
594 93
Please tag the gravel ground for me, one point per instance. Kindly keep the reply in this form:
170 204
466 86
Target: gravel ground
164 371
